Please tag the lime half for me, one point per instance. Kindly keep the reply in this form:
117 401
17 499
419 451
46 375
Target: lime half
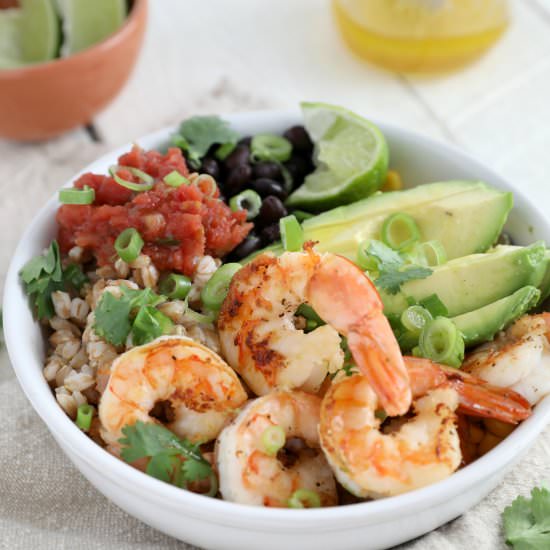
10 44
29 34
40 31
87 22
351 156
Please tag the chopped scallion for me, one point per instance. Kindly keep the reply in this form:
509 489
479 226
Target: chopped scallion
247 200
270 147
414 318
304 498
214 292
433 252
175 179
77 196
399 231
292 235
441 341
273 440
147 181
128 245
84 415
175 287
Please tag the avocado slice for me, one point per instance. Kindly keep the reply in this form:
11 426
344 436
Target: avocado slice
468 283
482 324
465 216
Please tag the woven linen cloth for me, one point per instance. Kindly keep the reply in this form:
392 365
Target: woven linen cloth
46 503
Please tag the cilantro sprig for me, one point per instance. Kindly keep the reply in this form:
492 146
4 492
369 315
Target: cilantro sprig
44 274
197 134
527 521
172 459
392 268
133 312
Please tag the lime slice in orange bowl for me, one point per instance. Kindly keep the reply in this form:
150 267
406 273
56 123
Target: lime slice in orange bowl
351 156
87 22
40 32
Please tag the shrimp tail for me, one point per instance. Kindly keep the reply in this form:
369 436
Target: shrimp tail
379 359
476 396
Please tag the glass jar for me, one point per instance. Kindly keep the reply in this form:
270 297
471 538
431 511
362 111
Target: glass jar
421 35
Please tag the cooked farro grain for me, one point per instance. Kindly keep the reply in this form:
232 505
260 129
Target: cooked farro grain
79 311
62 304
122 268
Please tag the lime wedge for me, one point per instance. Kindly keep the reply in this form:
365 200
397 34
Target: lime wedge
351 156
10 45
87 22
40 31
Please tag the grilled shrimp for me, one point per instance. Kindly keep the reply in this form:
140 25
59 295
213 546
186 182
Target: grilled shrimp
476 396
272 450
518 358
370 463
259 339
201 388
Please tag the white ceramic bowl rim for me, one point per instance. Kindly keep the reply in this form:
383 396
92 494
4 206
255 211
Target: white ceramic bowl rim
251 518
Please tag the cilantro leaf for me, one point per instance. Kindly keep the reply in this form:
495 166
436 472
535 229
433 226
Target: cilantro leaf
527 521
112 318
392 279
74 277
392 268
43 275
171 459
197 134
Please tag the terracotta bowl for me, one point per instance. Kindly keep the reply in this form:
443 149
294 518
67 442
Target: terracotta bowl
45 100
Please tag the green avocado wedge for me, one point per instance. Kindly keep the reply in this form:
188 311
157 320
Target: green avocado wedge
482 324
351 158
470 282
466 217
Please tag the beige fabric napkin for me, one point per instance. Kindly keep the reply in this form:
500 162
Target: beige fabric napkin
45 503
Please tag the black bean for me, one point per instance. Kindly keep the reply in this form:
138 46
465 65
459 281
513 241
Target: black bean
245 141
266 169
210 166
237 179
240 156
249 245
270 234
298 136
265 187
298 167
272 210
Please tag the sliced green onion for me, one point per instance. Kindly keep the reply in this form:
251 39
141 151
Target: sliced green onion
175 287
270 147
309 313
128 245
434 305
147 181
175 179
273 440
200 318
149 324
77 196
206 183
292 235
304 498
84 415
311 325
247 200
414 318
300 215
366 261
399 231
223 151
442 342
433 253
214 292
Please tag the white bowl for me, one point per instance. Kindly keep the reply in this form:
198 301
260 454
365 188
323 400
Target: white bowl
220 525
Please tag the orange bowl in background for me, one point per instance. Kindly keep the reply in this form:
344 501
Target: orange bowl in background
44 100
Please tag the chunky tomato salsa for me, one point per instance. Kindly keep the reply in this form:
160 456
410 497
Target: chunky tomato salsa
178 225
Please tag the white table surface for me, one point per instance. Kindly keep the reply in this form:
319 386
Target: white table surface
209 56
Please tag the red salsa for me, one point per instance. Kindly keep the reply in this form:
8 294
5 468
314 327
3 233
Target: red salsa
178 225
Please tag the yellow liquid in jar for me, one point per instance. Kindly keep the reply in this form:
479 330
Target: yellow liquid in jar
421 35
